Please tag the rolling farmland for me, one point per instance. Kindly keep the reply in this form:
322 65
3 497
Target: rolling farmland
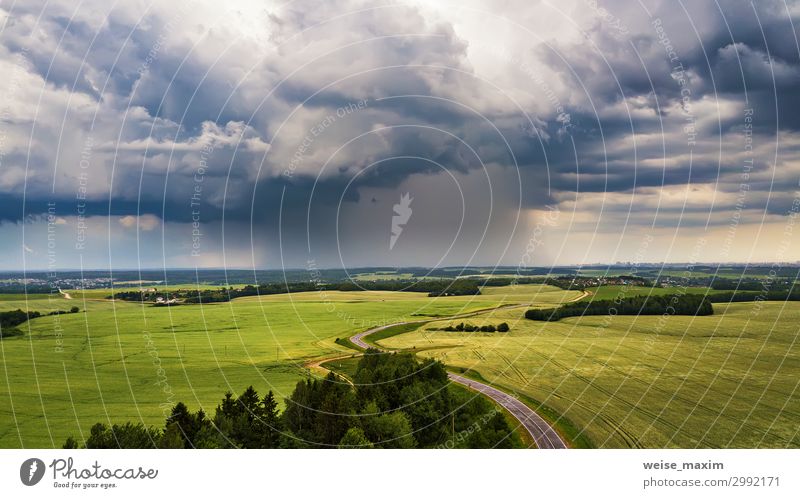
715 381
121 361
727 380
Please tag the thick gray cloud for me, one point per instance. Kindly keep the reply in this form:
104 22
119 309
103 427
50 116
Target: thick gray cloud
299 122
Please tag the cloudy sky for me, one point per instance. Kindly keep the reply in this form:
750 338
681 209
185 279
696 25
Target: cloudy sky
267 134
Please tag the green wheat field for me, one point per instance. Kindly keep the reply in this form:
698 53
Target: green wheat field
726 380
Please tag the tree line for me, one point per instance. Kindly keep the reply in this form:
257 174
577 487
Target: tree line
395 401
9 320
456 287
462 327
433 287
678 304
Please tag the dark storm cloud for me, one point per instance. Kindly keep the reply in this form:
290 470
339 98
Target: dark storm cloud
75 55
704 37
736 46
735 49
15 209
169 89
138 94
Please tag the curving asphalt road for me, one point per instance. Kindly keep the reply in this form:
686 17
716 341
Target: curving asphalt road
358 339
545 436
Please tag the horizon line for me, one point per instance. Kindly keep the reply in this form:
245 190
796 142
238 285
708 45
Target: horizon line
526 268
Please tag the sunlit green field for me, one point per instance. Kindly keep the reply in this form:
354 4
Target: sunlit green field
727 380
530 293
121 361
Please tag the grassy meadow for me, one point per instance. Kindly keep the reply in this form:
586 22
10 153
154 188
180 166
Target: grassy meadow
117 361
726 380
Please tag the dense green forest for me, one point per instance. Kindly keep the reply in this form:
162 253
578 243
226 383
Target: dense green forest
395 402
679 304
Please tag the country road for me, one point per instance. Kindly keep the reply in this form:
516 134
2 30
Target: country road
545 436
542 433
358 339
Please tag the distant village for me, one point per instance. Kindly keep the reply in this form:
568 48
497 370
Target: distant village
43 284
